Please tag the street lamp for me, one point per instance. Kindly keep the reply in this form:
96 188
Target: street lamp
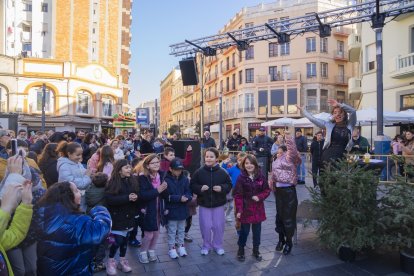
43 107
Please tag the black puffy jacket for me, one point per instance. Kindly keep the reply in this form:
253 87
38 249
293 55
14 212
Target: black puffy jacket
211 176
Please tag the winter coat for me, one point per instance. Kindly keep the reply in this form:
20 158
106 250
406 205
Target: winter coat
150 198
233 144
284 167
363 144
93 163
211 176
264 142
146 147
245 147
67 240
73 172
122 210
316 151
88 151
165 164
301 144
119 154
234 173
250 210
49 171
38 146
208 143
177 187
94 196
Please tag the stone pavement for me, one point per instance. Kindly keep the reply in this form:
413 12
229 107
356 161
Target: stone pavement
308 257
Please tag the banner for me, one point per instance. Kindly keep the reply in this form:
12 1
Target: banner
142 115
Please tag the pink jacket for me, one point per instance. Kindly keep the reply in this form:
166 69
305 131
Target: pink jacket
93 163
284 167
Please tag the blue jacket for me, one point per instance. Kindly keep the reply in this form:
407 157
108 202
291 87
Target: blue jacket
66 240
177 187
234 172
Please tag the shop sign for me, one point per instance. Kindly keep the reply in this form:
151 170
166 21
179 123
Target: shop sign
123 124
254 125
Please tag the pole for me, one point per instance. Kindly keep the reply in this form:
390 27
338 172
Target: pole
43 107
156 118
201 109
220 119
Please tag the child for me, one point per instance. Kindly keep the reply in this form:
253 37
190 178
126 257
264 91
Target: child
192 211
151 186
169 155
95 196
234 173
250 192
211 184
121 197
106 159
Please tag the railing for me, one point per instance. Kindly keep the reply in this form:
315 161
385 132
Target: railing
341 79
340 54
188 106
341 31
278 77
229 114
406 61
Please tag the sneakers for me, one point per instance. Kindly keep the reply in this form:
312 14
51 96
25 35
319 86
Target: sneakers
280 245
220 251
187 238
98 267
143 258
182 252
173 253
204 252
152 257
288 248
135 243
111 267
123 265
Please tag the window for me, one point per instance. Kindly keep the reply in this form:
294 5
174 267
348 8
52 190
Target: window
249 33
107 106
27 47
324 45
310 44
241 77
277 101
340 49
233 82
324 101
324 70
285 49
233 60
26 28
311 69
250 52
284 23
35 100
412 39
44 7
249 102
407 102
44 29
370 58
215 90
286 72
311 104
221 86
273 73
94 55
340 96
227 63
84 103
249 25
262 102
227 84
221 67
27 7
250 75
240 56
216 71
292 100
273 49
3 100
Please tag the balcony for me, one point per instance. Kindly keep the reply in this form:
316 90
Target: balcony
340 55
177 109
212 117
341 80
402 66
246 111
354 85
354 47
229 114
341 31
188 106
188 92
287 76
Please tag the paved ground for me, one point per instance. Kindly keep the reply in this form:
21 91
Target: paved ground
307 257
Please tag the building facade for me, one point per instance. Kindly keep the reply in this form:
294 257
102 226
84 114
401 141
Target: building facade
267 80
398 72
166 106
53 41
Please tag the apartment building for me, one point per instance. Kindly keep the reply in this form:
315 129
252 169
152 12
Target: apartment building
267 80
398 63
78 49
166 91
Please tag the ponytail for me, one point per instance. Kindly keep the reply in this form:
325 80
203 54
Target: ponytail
64 148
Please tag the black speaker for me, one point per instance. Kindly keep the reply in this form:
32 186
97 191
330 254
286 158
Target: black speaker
180 148
188 69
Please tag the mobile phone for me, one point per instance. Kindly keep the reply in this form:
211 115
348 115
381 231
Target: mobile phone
14 146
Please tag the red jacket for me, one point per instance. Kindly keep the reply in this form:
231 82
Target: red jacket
251 211
165 164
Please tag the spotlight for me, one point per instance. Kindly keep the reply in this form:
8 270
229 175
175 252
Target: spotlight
209 52
283 38
324 30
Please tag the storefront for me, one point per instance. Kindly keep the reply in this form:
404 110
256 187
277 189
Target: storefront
59 123
124 121
253 128
228 131
107 128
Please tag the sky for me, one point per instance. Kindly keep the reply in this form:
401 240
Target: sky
157 24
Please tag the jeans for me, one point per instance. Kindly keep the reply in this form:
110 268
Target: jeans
286 207
175 232
244 233
301 168
121 242
23 260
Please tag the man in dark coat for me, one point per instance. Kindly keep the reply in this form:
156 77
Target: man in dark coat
207 141
316 152
233 142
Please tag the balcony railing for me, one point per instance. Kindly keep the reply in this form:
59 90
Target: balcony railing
341 31
212 117
278 77
338 54
402 66
229 114
177 109
341 79
188 106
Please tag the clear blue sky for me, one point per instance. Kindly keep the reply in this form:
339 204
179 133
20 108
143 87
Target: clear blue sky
157 24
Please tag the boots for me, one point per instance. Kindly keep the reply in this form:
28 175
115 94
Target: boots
240 254
288 247
256 253
281 243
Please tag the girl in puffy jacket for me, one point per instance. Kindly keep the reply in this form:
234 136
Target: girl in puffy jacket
121 196
249 194
283 181
70 168
211 184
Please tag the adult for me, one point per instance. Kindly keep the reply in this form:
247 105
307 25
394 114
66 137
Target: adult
261 146
89 148
360 143
407 148
233 142
316 153
302 147
146 146
48 164
211 184
22 135
338 130
207 141
283 181
80 135
67 237
40 143
4 139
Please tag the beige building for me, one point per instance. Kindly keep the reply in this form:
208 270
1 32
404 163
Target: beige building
166 88
398 62
268 79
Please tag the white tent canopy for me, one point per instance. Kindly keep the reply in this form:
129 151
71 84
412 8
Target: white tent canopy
281 122
304 122
366 117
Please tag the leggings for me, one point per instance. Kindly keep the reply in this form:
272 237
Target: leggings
121 242
188 223
150 240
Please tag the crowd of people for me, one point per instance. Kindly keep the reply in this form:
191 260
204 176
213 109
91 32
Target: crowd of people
72 204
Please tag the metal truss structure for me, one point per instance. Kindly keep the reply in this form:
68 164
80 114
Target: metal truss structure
321 22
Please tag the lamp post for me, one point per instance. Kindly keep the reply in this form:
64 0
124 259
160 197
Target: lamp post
43 107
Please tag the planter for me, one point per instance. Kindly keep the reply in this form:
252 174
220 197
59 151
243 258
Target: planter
346 254
407 262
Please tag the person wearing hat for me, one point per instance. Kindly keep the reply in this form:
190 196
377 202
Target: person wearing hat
233 142
262 145
179 194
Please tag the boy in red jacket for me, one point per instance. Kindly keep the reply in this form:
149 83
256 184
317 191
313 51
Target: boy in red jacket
169 155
